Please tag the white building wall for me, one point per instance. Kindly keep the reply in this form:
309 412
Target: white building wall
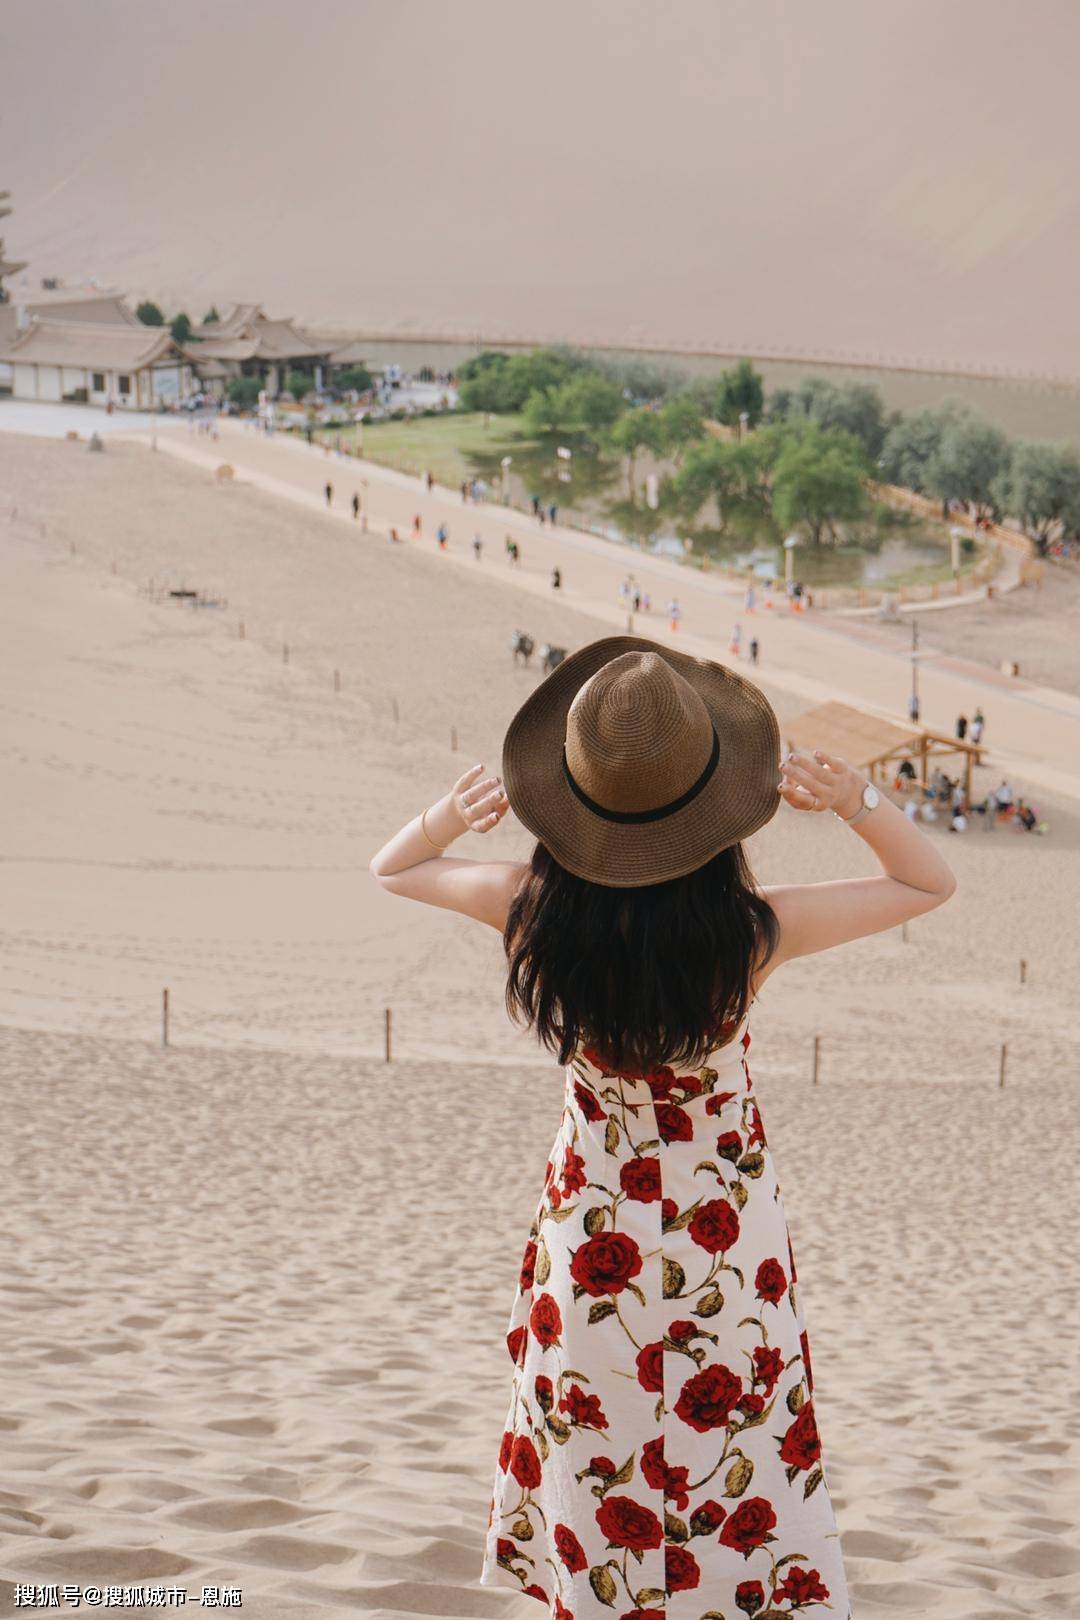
24 381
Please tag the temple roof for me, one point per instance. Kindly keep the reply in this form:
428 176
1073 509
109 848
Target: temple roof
105 345
246 333
71 304
232 324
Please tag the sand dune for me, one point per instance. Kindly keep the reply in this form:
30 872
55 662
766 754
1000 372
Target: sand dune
254 1318
844 181
255 1286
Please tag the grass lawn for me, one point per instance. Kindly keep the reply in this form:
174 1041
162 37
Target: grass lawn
442 443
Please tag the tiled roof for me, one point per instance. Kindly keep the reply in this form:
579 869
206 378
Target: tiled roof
92 344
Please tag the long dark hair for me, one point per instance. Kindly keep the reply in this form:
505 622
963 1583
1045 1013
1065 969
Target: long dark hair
647 975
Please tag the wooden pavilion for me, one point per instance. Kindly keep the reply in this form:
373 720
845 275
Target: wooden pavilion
874 745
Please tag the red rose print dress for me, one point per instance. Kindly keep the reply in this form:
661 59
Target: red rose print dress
660 1459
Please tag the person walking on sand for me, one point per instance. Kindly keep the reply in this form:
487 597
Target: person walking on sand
329 494
961 727
417 526
442 535
674 613
977 723
477 546
754 649
637 941
553 512
429 480
556 579
355 506
735 644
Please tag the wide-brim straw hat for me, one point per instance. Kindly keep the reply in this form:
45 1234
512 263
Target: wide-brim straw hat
633 763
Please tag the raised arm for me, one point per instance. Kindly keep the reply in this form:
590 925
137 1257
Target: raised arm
412 863
915 878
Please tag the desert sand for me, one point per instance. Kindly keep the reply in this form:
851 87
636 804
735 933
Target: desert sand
255 1286
890 184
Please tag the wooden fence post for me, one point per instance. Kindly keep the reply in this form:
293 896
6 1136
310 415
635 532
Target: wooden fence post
1001 1068
389 1024
165 1017
817 1056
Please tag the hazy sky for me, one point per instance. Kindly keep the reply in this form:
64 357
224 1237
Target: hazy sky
893 182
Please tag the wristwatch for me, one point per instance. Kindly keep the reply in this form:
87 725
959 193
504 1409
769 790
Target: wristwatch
870 798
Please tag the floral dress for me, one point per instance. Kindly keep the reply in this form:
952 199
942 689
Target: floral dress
660 1459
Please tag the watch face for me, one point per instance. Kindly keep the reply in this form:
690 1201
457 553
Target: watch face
871 796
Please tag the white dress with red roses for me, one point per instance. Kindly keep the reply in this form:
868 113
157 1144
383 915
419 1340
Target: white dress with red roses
660 1458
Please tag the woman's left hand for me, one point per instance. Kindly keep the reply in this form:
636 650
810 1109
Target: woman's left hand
820 781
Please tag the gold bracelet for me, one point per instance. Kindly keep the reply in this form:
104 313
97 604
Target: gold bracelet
441 848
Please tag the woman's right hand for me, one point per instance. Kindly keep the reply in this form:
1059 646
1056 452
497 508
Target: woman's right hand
479 800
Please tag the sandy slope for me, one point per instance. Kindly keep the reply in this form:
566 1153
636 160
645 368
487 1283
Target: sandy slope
255 1288
884 183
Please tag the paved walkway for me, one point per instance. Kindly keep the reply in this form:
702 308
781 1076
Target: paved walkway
1033 733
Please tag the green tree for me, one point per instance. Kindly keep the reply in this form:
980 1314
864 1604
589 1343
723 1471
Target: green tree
583 403
969 460
780 405
854 408
597 402
726 473
149 314
911 444
299 383
525 374
740 391
180 327
480 380
636 430
641 379
818 480
683 423
549 410
1041 486
477 364
243 391
211 317
711 472
358 377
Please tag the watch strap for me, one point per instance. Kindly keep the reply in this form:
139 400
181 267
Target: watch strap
863 810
